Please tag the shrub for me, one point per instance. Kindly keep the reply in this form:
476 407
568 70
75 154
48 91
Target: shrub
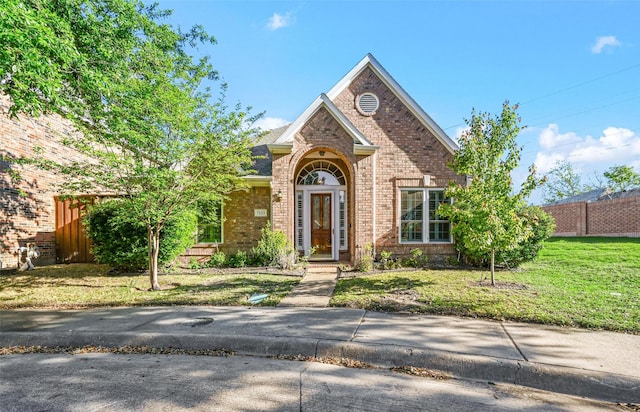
217 260
385 260
542 226
417 260
120 239
239 260
273 249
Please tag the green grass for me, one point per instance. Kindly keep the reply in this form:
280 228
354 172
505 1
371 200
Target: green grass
86 286
585 282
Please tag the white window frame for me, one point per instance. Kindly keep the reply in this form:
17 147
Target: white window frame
425 217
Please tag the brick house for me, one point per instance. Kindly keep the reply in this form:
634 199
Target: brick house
363 165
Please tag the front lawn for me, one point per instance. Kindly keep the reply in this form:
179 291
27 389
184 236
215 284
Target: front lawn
90 285
586 282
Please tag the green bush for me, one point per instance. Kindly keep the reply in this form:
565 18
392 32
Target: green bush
417 260
239 260
120 239
273 249
385 260
217 260
542 226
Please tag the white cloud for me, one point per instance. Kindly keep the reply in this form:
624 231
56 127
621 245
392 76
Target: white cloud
278 21
616 146
604 41
551 137
545 162
269 123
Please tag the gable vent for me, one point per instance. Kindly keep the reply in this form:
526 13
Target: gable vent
367 104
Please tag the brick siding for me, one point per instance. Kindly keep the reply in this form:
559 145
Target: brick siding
30 217
610 217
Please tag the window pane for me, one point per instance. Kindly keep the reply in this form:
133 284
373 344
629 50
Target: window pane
436 198
210 223
440 232
411 232
411 204
411 215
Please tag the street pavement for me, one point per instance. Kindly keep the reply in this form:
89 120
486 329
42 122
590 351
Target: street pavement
108 382
592 364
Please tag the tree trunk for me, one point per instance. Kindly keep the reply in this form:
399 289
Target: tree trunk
154 249
493 271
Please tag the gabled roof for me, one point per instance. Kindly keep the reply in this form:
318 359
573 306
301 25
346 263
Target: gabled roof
418 112
323 102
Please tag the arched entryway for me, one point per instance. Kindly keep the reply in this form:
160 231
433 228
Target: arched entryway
321 227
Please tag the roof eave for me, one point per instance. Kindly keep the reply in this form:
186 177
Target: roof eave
280 148
257 181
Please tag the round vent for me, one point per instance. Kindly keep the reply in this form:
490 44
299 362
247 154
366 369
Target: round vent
367 104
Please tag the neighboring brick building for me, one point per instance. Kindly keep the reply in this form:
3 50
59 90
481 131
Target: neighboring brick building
363 165
28 211
598 213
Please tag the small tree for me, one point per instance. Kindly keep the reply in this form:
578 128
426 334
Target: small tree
485 213
150 133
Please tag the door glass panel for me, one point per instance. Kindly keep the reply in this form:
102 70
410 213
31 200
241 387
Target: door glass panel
326 213
315 215
321 233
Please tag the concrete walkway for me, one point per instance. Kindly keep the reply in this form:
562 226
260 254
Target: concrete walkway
315 289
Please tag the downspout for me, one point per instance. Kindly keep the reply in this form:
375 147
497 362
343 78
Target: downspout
374 203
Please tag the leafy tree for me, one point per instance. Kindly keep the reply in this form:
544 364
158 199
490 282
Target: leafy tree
622 178
141 102
486 213
562 182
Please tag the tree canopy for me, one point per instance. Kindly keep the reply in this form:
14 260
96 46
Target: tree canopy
149 127
486 213
563 181
622 178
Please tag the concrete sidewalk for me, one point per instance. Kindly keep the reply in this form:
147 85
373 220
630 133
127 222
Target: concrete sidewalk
598 365
315 289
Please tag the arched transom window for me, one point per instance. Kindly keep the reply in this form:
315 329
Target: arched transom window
321 173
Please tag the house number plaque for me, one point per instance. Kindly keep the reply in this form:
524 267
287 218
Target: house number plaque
260 212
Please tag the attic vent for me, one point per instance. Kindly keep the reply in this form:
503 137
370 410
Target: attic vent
367 104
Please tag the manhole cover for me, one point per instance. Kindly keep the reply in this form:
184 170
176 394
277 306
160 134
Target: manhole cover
198 322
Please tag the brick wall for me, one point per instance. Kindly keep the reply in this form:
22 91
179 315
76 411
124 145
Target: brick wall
610 217
408 151
29 217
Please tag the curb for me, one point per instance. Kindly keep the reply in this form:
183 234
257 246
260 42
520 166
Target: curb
559 379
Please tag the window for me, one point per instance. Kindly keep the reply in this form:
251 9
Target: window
209 223
419 212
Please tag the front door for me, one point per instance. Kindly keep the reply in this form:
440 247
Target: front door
321 229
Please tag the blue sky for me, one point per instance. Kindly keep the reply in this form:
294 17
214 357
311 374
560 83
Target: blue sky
574 66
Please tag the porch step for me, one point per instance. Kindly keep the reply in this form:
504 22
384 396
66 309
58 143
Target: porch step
315 289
